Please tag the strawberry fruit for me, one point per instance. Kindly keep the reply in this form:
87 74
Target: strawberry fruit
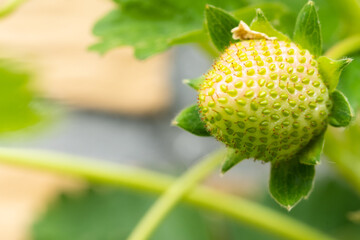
264 98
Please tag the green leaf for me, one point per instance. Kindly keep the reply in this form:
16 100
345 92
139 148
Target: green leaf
189 119
307 29
19 107
331 69
190 37
233 157
311 153
219 24
341 112
290 181
152 26
261 24
112 214
194 83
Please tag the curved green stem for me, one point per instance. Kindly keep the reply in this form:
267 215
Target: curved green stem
346 160
345 47
174 194
349 11
9 6
241 209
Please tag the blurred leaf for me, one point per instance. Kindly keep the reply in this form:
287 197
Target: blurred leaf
19 107
189 119
233 157
261 24
290 181
152 26
327 209
331 69
350 84
219 24
311 153
307 29
273 11
194 83
354 216
190 37
112 214
348 12
341 112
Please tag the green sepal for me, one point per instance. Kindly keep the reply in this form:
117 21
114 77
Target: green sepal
194 83
233 157
331 69
341 112
261 24
307 29
189 119
219 24
311 153
290 181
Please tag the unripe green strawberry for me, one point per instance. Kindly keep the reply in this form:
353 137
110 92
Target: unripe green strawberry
265 98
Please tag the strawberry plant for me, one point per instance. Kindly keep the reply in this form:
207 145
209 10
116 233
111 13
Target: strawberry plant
271 95
270 99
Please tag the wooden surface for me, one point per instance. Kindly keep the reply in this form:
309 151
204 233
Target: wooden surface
24 195
53 37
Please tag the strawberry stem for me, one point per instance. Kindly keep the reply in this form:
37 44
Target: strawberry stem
97 171
9 6
174 194
345 47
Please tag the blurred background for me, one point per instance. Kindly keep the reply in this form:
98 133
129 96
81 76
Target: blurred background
117 108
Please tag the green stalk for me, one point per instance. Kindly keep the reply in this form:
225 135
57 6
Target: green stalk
349 11
345 47
345 159
9 6
174 194
97 171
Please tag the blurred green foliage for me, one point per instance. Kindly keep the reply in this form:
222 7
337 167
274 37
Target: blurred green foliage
106 214
19 107
149 26
152 29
